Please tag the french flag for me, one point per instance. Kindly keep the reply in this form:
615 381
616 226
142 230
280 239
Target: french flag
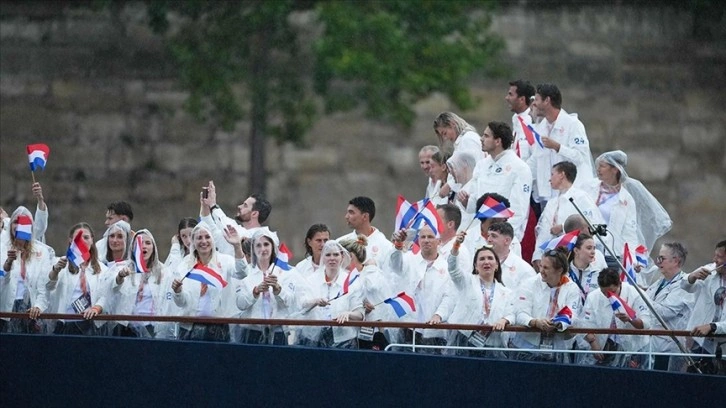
568 240
619 305
352 276
284 255
405 212
641 255
37 156
24 229
78 252
563 319
429 215
537 137
527 131
206 275
402 304
492 208
628 264
139 257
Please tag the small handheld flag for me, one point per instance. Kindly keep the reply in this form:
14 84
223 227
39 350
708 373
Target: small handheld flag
563 319
641 255
206 275
492 208
402 304
78 252
619 305
139 261
284 255
37 156
537 136
24 228
568 240
628 264
527 131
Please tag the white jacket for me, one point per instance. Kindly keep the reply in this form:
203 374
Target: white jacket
520 138
574 147
598 313
377 288
345 303
125 294
218 221
673 304
509 176
271 306
428 283
515 270
378 246
623 223
533 302
704 309
36 277
60 291
470 304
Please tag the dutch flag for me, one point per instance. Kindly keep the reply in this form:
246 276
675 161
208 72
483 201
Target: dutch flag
78 252
207 275
402 304
24 228
37 156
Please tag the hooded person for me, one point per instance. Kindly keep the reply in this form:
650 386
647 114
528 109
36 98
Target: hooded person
139 288
25 264
273 289
334 296
461 166
204 284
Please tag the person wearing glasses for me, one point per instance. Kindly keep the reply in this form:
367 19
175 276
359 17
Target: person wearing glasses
670 301
540 299
708 284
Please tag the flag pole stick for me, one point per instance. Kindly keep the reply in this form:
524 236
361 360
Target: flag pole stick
634 284
32 175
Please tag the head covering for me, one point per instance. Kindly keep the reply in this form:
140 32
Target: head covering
124 227
653 220
462 164
199 228
332 246
272 236
156 262
18 212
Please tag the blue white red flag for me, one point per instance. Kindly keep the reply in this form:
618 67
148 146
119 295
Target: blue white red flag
428 215
284 255
619 305
402 304
78 252
24 228
37 155
352 276
628 264
537 137
527 131
139 261
568 240
206 275
405 213
563 319
641 255
492 208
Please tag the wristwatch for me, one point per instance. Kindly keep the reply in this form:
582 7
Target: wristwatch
213 207
713 328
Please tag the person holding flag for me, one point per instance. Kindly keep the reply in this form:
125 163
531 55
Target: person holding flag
424 275
482 299
539 300
616 305
24 275
201 286
140 287
271 290
376 288
78 284
334 295
461 167
492 208
519 96
584 266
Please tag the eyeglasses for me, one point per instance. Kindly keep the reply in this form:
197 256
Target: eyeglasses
719 296
661 258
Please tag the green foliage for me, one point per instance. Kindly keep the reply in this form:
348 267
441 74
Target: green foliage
390 54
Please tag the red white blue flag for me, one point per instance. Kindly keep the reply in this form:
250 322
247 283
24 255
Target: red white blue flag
568 241
206 275
563 319
641 255
24 228
492 208
284 255
628 264
37 156
537 136
139 256
402 304
78 252
619 305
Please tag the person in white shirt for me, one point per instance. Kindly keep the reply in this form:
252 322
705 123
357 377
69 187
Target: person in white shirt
515 270
451 128
359 215
550 224
476 237
330 301
708 284
519 96
116 211
598 313
438 189
424 161
563 138
424 277
501 172
540 299
482 299
461 167
584 267
315 238
451 216
671 302
180 242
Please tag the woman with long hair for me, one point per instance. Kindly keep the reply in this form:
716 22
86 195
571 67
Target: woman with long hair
180 242
584 266
82 290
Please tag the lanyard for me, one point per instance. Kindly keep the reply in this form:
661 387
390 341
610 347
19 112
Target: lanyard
488 298
552 309
664 285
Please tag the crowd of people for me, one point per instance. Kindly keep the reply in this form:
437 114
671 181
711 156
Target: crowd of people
561 256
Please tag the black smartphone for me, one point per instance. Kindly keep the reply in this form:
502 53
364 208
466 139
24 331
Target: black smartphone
205 192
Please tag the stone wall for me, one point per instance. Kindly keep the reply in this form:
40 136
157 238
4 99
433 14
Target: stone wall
97 88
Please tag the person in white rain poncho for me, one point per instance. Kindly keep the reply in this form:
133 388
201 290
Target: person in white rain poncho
272 290
315 238
25 264
180 243
215 298
333 296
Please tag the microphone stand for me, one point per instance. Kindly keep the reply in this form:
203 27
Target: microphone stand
640 291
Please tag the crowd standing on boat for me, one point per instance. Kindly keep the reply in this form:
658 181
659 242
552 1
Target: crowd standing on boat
519 226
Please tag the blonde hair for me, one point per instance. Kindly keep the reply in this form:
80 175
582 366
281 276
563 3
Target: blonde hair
356 246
